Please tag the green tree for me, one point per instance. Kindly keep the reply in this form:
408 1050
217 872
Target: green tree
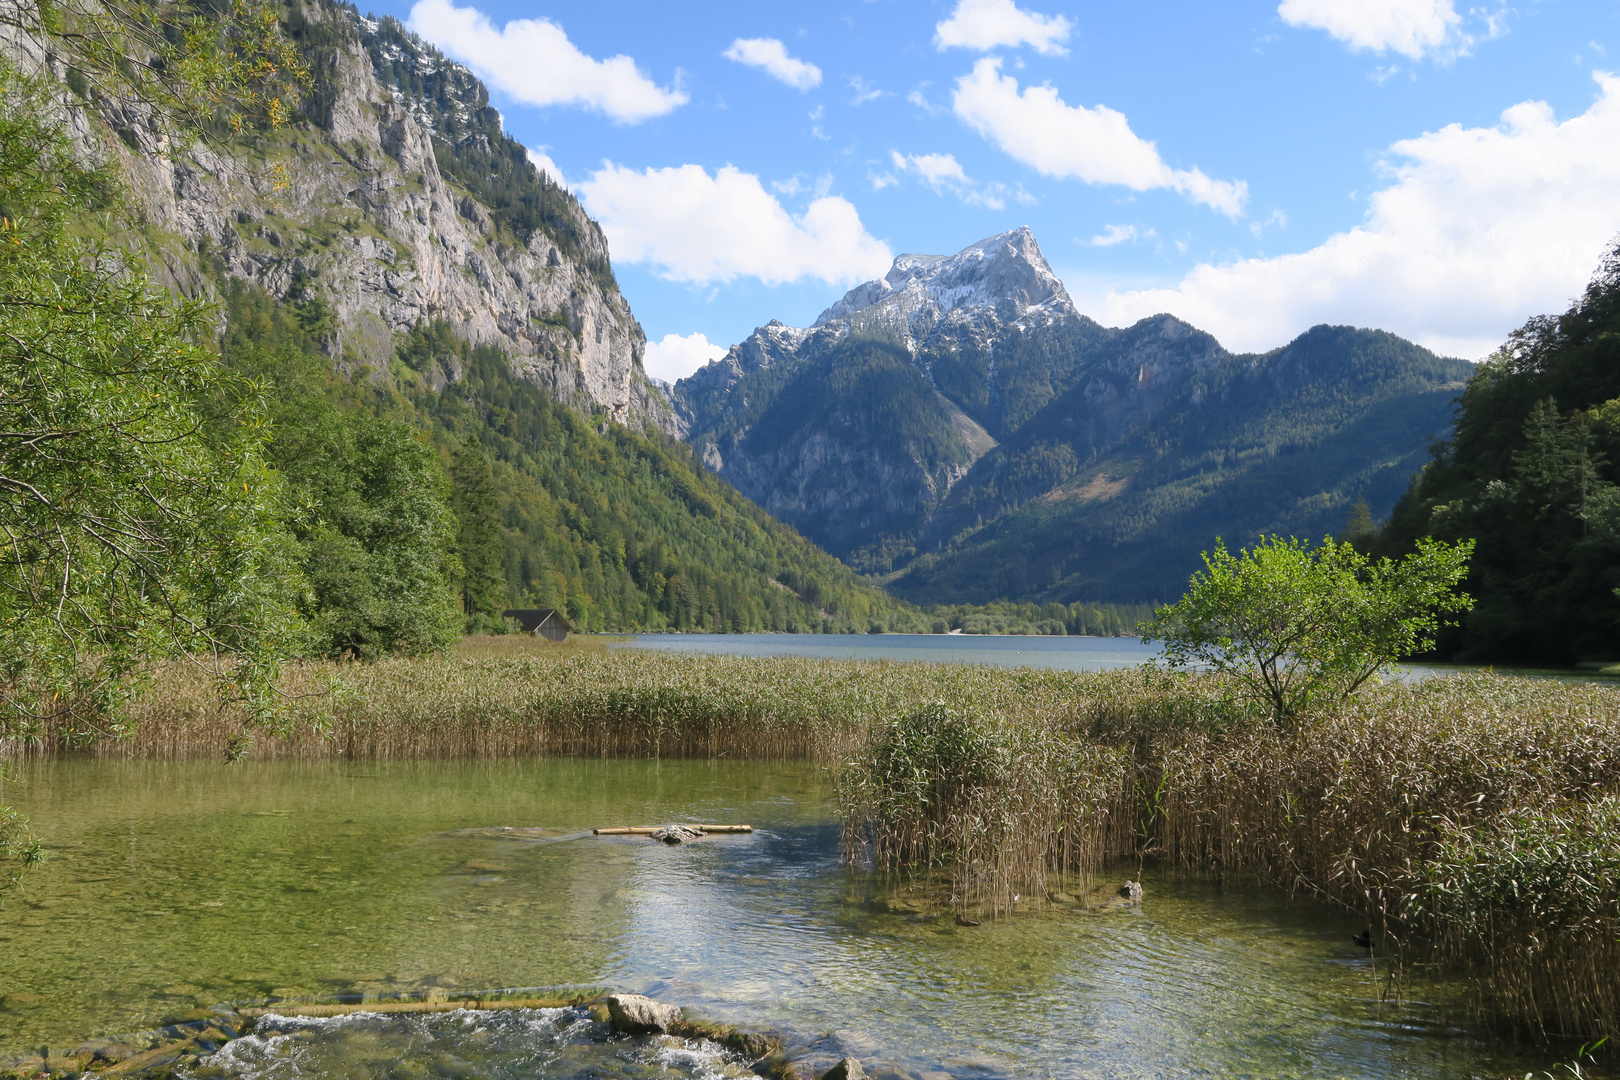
378 535
1359 527
190 66
139 521
1532 475
138 518
1300 627
480 537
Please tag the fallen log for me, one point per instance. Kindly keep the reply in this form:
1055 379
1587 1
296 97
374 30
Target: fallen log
391 1007
638 830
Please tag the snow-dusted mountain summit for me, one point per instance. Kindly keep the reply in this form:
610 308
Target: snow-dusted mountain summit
1005 276
969 299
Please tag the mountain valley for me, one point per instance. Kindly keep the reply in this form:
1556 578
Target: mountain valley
959 430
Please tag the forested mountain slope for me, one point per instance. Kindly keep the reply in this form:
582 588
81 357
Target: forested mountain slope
961 429
1283 443
621 529
451 377
1533 477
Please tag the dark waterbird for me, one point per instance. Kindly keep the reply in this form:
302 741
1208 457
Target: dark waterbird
1364 940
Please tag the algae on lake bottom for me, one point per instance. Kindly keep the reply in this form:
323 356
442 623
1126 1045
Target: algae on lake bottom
179 885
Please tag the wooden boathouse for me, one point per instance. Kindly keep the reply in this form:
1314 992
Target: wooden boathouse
548 623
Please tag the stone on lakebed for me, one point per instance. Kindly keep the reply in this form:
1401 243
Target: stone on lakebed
638 1015
848 1069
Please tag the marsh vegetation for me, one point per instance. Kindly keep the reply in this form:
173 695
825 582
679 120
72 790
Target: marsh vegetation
1471 821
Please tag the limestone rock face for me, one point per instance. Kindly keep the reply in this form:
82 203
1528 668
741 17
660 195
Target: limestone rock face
357 208
635 1014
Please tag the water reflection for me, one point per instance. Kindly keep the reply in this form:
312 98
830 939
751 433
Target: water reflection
181 885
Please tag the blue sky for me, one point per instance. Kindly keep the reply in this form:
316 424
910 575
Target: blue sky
1434 169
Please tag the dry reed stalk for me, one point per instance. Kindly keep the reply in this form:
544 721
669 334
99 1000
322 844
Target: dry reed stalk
1475 821
582 701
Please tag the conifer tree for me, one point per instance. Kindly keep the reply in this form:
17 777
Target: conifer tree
480 536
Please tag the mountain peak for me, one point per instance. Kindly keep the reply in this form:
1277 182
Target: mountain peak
1005 273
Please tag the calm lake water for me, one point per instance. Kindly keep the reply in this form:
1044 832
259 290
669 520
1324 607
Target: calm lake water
1064 653
178 885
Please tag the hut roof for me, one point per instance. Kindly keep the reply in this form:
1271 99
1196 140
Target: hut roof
531 619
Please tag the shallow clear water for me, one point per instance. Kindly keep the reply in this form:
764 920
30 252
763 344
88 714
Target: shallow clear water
173 885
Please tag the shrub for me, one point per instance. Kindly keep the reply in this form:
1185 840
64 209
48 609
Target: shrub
1299 626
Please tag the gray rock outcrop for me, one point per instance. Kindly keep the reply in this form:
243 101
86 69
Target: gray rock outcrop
848 1069
352 209
635 1014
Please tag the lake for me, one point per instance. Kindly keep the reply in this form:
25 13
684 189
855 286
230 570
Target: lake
1063 653
174 885
1001 650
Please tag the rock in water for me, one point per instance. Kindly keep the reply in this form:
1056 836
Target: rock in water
677 834
634 1014
1131 890
848 1069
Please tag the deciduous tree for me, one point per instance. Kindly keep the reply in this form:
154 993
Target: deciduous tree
1301 626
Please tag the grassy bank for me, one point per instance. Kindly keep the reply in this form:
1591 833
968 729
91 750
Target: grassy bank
1474 821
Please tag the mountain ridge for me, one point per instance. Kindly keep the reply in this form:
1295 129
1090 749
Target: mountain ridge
1077 420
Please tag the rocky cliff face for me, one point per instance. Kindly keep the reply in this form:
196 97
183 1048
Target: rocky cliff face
377 210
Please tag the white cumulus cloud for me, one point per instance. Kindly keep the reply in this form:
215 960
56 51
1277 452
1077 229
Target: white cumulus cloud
1409 27
936 170
694 227
771 57
1479 229
996 24
677 356
533 61
1097 145
542 161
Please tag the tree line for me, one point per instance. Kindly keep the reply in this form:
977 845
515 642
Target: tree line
1532 476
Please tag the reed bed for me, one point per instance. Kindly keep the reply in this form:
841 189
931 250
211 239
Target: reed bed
497 700
1473 821
1002 807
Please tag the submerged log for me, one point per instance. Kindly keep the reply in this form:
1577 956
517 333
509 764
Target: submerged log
388 1007
648 830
